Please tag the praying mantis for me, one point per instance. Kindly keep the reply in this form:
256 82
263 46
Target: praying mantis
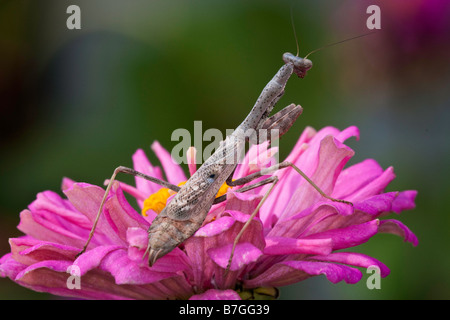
186 212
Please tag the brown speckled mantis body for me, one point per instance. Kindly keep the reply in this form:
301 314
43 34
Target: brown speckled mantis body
185 214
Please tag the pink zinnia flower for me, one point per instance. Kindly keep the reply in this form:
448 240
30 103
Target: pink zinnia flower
297 234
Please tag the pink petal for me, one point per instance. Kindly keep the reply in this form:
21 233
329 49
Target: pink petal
191 160
9 267
222 231
289 272
349 132
215 227
66 183
354 259
334 273
253 234
37 277
285 246
117 215
308 161
244 254
143 165
134 192
260 156
404 201
120 214
375 187
376 205
91 259
242 202
202 266
330 161
27 250
214 294
173 171
56 210
240 216
355 177
280 195
257 157
126 271
51 276
396 227
305 138
350 236
86 199
137 237
33 225
175 262
313 219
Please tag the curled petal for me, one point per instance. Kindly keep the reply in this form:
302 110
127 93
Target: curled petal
354 259
334 273
349 132
48 276
10 267
396 227
28 250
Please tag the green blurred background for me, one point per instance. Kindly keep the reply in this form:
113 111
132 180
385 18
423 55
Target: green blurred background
78 103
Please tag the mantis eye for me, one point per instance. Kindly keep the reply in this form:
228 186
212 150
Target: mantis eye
211 178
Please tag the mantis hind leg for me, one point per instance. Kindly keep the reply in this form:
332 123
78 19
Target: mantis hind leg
270 170
273 180
108 188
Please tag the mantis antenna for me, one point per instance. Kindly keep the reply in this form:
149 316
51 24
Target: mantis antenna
339 42
326 46
293 28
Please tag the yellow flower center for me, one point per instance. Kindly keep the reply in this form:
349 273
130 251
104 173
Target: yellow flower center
157 201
